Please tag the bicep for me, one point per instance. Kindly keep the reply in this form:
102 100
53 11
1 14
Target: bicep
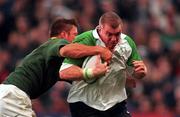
134 53
79 61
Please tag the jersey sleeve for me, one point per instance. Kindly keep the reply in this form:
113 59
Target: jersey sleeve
86 39
56 45
134 54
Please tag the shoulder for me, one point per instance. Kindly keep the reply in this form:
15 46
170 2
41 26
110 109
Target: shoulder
84 35
128 39
60 41
53 46
57 43
85 38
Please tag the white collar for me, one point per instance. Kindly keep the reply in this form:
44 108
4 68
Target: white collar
98 39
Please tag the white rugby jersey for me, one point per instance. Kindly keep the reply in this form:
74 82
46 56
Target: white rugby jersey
109 89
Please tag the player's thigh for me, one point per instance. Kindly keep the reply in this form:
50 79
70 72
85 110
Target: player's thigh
14 102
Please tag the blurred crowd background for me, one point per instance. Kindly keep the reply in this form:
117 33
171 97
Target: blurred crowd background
153 24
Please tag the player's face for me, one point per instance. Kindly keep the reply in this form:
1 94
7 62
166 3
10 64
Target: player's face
72 34
110 36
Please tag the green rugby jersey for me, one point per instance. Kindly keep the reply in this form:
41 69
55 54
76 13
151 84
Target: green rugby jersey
39 70
88 38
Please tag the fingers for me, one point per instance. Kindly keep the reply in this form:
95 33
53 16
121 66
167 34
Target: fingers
140 69
107 69
98 59
103 67
105 63
138 63
106 54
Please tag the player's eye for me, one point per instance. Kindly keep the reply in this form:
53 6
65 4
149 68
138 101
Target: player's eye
109 34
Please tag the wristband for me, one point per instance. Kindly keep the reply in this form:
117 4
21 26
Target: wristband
87 73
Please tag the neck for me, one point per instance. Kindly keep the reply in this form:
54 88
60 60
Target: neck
107 45
99 33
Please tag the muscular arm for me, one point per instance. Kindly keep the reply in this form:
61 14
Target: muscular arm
72 73
76 73
79 50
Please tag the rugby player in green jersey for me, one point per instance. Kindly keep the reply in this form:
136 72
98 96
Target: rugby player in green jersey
106 97
39 70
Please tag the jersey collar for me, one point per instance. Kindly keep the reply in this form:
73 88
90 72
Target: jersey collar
53 38
98 39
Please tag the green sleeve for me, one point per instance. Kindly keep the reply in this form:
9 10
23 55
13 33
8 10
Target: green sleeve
134 55
85 38
56 45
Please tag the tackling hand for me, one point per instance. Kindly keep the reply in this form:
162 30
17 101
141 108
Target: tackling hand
101 68
105 54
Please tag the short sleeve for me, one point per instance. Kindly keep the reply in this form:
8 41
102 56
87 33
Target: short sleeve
56 45
86 39
134 54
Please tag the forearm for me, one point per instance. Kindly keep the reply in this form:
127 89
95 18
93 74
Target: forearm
77 73
78 50
71 73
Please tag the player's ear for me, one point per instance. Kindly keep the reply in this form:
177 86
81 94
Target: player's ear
100 26
63 34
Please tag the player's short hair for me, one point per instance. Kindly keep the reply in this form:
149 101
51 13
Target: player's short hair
61 24
110 18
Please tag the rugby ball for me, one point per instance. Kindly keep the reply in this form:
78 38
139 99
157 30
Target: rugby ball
90 62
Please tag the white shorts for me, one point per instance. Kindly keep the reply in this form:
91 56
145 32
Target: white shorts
14 102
